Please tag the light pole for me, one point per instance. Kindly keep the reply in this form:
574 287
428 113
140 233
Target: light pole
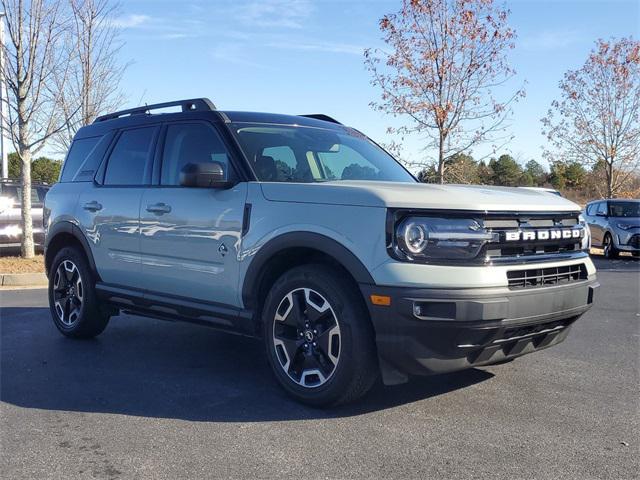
3 101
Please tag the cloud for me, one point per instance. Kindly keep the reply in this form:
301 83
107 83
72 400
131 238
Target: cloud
319 47
275 13
234 54
551 39
131 21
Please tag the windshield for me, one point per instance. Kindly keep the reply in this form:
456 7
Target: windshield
624 209
281 153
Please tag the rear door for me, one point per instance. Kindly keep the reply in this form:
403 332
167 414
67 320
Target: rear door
190 237
109 210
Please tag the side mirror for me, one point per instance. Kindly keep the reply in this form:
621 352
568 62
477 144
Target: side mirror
204 175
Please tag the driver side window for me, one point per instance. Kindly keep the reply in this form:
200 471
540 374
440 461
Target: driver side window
191 143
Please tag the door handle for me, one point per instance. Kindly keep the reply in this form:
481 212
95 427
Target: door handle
92 206
159 208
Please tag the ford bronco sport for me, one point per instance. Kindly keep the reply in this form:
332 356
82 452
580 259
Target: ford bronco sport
305 233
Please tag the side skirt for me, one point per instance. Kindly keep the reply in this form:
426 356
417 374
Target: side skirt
168 307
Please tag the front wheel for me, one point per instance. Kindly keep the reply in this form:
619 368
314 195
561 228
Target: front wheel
72 298
610 250
319 338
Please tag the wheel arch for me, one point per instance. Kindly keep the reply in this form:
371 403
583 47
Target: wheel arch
292 249
66 234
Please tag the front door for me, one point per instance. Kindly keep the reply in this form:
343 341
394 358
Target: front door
109 211
599 226
190 237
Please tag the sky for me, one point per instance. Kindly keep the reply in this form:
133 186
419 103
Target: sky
306 56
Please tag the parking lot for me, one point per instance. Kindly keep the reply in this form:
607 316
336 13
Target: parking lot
152 399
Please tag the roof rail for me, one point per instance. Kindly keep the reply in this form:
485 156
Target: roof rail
321 116
194 104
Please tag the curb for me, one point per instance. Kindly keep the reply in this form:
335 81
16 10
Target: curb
23 279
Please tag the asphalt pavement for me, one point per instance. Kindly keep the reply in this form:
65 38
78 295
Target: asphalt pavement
154 399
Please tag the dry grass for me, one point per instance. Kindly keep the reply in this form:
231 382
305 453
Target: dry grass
22 265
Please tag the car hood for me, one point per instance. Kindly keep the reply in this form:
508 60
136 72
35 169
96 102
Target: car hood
418 195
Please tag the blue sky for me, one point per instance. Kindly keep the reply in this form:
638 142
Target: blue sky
305 56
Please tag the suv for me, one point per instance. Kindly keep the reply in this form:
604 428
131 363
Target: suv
10 212
615 226
305 233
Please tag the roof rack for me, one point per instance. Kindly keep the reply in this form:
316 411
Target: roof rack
321 116
194 104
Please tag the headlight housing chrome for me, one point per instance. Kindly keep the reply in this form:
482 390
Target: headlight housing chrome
437 238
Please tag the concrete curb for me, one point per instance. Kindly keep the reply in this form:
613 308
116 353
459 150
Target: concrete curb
23 279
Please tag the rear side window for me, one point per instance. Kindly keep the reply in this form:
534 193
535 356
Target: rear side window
591 209
78 153
130 158
602 208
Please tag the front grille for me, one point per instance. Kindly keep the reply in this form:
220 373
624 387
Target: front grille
506 251
634 241
544 277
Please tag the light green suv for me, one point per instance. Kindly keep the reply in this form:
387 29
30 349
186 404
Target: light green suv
304 232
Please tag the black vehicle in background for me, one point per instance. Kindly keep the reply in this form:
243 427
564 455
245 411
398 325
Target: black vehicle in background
615 226
10 207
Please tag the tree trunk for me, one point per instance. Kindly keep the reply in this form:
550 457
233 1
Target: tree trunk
609 179
26 245
441 160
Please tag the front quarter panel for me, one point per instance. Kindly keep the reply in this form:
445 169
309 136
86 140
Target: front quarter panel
361 230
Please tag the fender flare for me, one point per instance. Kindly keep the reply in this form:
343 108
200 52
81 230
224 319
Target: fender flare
66 227
316 241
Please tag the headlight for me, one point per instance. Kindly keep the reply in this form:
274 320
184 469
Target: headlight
586 240
435 238
624 226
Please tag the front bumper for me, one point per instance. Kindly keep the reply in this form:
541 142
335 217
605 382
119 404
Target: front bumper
426 331
628 241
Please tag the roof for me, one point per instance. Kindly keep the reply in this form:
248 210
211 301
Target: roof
281 119
614 200
13 181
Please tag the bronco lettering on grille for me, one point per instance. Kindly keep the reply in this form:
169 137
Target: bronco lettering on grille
532 235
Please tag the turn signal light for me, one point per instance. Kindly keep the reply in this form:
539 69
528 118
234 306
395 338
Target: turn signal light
382 300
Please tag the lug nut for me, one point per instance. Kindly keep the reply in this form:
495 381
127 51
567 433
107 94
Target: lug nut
315 344
315 332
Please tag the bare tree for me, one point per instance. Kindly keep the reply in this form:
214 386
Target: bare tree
597 120
90 84
446 58
32 53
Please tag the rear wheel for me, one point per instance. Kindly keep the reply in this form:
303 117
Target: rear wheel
610 250
319 338
72 298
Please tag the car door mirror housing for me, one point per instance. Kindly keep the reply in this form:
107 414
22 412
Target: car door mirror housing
204 175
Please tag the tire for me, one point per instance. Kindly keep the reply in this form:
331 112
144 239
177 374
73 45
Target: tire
72 298
339 363
610 250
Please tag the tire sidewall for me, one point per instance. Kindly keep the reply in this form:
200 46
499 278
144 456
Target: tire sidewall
346 311
611 252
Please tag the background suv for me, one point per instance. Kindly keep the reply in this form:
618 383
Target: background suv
615 226
10 217
304 232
